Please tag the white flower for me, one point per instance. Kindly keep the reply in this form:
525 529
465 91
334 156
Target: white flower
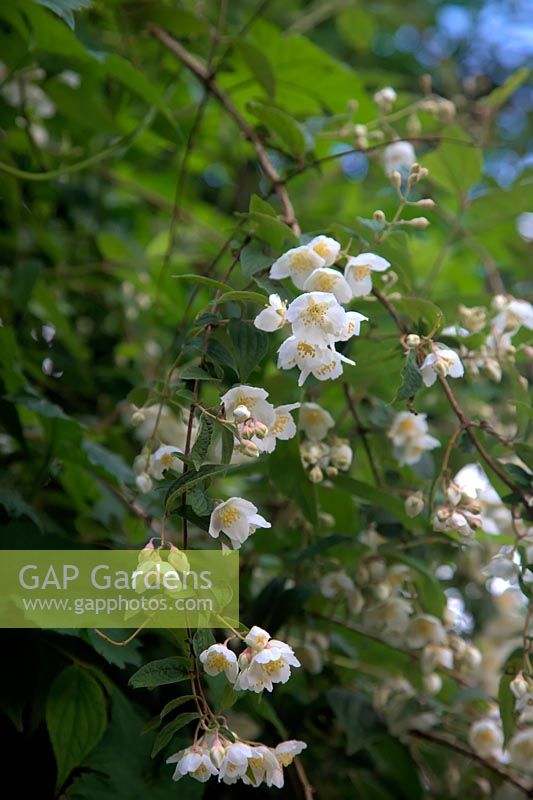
322 362
327 248
486 738
409 435
503 565
164 459
399 156
391 616
194 761
316 318
524 225
297 263
219 658
341 454
425 629
435 656
272 318
329 280
237 518
285 752
519 686
358 272
441 361
143 482
265 662
352 327
235 762
315 421
385 97
521 749
257 638
264 767
283 428
514 315
255 401
335 585
170 429
494 515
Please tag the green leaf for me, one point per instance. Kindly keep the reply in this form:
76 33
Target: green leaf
456 166
211 282
429 588
202 441
76 718
411 378
64 8
242 297
228 441
272 231
155 722
506 699
165 734
202 639
191 372
288 475
355 715
258 64
377 497
424 312
199 501
285 129
253 260
160 672
249 346
190 479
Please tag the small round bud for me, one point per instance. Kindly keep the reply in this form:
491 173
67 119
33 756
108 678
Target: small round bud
261 430
432 683
426 202
519 686
249 449
379 216
316 475
138 417
241 413
144 482
420 223
414 505
396 180
412 340
332 472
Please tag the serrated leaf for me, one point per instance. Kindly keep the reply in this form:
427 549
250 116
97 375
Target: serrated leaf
76 718
202 441
411 378
249 345
160 672
190 479
165 734
254 260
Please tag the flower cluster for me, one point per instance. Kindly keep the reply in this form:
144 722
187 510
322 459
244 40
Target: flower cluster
320 457
486 736
472 504
258 424
263 663
410 437
215 755
317 318
237 518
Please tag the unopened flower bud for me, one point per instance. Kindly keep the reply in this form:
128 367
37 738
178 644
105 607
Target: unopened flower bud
432 683
261 430
422 173
148 553
396 180
412 340
441 367
315 474
519 686
138 417
241 413
248 430
426 202
414 504
415 168
420 223
331 471
144 482
248 448
379 216
442 514
178 559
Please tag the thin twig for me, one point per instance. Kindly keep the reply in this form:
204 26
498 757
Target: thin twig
362 433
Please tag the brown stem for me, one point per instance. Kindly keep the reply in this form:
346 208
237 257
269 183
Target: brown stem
457 747
309 792
390 308
207 78
362 433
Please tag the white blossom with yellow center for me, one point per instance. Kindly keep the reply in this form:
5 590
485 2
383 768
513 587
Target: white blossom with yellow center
254 399
283 428
486 738
286 752
238 519
327 248
316 317
425 629
219 658
442 361
194 761
358 272
262 668
329 280
164 458
315 421
409 434
322 362
513 315
399 156
297 263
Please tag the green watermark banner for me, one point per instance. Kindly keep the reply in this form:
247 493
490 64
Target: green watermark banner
119 588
